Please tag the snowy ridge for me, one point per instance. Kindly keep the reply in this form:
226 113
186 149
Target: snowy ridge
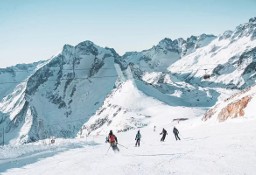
168 51
229 60
121 111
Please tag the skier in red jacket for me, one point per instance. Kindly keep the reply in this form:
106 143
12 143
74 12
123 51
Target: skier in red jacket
112 139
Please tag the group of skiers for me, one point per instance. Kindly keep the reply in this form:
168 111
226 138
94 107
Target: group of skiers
175 132
112 139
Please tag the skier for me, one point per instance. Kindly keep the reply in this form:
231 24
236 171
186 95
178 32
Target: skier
137 138
164 132
112 139
176 132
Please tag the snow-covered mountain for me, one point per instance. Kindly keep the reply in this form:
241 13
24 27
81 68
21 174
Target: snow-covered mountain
60 96
168 51
90 89
229 60
173 72
151 66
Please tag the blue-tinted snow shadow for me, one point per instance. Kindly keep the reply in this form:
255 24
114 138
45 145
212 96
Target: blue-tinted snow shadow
195 98
29 158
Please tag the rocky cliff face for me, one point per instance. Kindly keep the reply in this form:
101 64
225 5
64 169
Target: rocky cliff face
234 106
234 109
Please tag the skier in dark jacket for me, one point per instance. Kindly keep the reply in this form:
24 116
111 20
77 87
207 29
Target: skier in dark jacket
164 132
112 139
137 138
176 132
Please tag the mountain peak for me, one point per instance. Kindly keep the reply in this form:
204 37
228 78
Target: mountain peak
252 20
85 43
67 46
165 41
85 46
245 30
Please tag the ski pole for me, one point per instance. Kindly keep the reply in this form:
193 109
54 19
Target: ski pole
122 146
181 136
108 150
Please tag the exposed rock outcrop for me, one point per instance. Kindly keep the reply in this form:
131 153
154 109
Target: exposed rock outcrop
232 107
235 109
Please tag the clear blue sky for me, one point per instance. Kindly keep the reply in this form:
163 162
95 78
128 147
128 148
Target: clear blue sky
33 30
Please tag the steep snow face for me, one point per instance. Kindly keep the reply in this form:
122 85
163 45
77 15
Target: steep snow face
61 95
121 111
130 107
10 77
241 104
229 60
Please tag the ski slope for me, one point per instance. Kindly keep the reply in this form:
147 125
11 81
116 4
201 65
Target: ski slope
205 148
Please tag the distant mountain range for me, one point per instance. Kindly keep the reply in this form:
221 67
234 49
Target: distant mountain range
87 87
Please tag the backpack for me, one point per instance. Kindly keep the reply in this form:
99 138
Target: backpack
112 138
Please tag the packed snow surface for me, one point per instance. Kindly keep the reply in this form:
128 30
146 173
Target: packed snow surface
205 148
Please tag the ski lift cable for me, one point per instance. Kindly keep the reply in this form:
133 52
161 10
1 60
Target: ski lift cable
70 121
52 68
74 78
81 69
65 79
73 68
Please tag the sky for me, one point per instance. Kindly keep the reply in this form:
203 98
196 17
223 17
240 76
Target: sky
34 30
